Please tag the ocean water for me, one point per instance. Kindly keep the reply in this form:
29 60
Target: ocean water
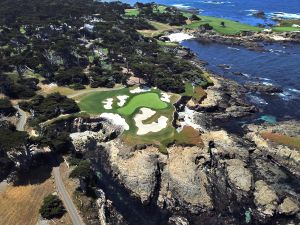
279 66
238 10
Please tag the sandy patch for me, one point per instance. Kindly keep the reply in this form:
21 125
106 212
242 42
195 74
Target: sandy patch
152 127
187 119
140 90
179 37
165 97
107 104
122 99
116 119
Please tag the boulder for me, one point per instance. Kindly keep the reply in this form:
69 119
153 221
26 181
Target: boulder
178 220
288 207
239 176
265 198
184 183
263 88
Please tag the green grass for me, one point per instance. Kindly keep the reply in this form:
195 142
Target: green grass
231 27
293 142
189 90
132 12
149 100
285 29
92 102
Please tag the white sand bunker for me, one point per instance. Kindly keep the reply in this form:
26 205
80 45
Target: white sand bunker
116 119
165 97
108 103
122 99
151 127
140 90
187 119
179 37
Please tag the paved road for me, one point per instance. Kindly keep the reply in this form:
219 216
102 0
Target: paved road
22 119
76 219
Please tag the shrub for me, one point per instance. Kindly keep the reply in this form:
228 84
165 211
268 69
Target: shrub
52 207
82 170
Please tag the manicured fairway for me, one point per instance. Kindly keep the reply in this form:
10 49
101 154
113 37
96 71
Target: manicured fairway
149 100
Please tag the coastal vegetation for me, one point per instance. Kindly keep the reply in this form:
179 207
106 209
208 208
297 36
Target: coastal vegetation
52 207
282 139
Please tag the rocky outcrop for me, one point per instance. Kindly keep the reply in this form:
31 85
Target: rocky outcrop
184 183
137 170
101 201
250 40
226 99
288 207
239 175
265 199
263 88
178 220
286 156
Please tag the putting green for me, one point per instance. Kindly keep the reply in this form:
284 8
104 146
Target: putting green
149 100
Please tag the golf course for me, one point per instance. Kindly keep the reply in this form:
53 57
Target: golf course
145 114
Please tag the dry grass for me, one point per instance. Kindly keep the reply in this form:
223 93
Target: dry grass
19 205
189 136
160 29
293 142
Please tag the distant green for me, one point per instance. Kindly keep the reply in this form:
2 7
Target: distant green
149 100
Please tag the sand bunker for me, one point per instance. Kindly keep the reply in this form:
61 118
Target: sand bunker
122 100
140 90
165 97
116 119
187 119
179 37
108 103
152 127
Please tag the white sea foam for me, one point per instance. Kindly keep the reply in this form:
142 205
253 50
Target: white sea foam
294 90
216 2
257 100
181 6
285 15
232 48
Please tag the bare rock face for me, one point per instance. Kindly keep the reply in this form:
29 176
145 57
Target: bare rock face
265 198
136 170
284 155
101 202
184 183
84 141
288 207
178 220
239 175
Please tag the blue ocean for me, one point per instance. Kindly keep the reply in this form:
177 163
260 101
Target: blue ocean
280 65
238 10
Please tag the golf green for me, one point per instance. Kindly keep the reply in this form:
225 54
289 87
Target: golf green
149 100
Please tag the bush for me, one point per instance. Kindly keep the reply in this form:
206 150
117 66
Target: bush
82 170
6 107
52 207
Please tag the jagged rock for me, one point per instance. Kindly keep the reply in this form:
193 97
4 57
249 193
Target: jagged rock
184 183
265 198
239 175
101 201
137 170
284 155
288 207
85 141
263 88
178 220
